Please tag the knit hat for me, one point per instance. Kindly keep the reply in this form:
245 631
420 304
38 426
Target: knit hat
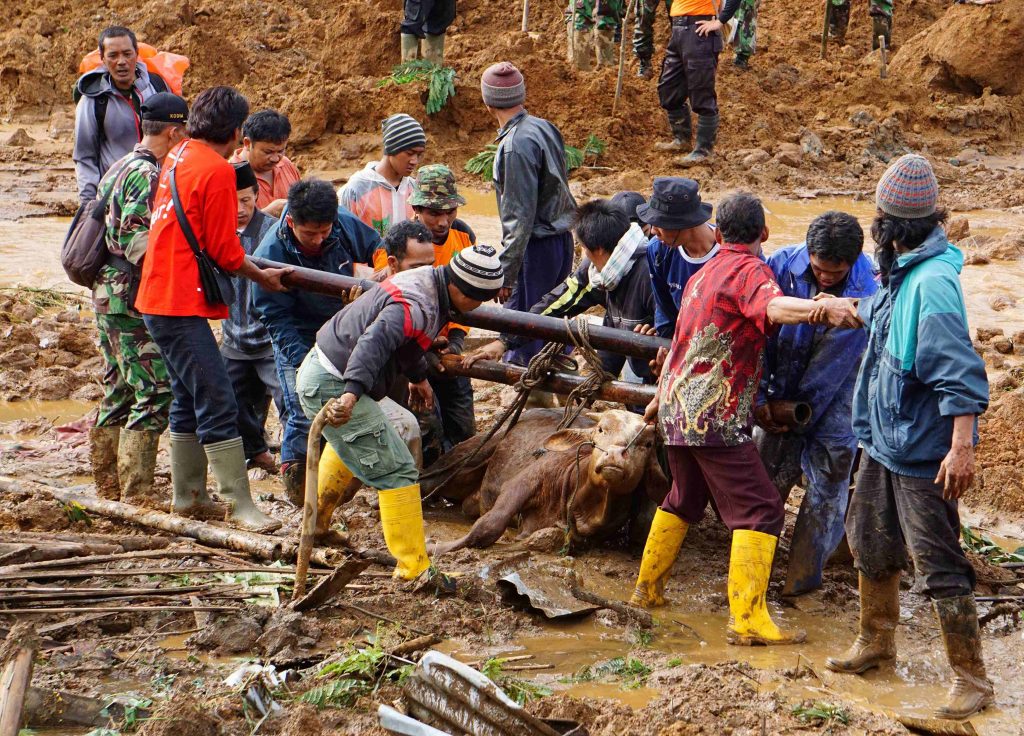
476 272
908 188
435 188
502 86
402 132
245 177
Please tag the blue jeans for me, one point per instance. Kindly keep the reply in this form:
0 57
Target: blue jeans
546 263
296 426
255 383
204 399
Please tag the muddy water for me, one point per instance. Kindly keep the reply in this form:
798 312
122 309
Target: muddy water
57 412
30 252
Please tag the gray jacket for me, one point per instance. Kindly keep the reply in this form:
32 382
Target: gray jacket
387 331
532 185
120 123
243 336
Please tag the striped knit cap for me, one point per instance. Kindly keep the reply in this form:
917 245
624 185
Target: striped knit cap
476 272
908 188
402 132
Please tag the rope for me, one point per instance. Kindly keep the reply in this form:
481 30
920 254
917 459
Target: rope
551 357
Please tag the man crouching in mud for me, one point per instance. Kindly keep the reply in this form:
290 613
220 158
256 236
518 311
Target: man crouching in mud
920 390
704 408
357 356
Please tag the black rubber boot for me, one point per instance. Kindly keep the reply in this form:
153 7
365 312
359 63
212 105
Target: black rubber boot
707 132
644 70
838 22
881 25
682 136
741 62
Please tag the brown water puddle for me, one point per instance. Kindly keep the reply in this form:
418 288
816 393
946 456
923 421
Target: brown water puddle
58 412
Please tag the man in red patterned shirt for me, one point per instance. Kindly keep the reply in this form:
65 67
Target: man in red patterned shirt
704 408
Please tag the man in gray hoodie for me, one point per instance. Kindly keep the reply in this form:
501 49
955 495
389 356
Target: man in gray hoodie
107 122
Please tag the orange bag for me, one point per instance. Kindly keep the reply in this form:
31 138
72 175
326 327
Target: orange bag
170 67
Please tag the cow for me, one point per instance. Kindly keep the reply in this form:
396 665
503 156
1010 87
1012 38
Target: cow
590 480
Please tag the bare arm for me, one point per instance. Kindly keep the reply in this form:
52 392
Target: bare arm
789 310
268 278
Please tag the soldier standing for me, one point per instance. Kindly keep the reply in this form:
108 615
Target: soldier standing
592 25
643 34
746 33
881 21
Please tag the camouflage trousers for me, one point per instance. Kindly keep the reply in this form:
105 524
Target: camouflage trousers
603 13
745 41
643 30
875 7
138 389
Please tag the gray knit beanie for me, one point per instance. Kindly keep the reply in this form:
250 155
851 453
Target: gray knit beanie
402 132
502 86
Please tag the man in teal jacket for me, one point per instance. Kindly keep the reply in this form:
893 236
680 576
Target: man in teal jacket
920 389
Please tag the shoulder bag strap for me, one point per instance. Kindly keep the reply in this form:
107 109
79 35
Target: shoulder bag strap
179 212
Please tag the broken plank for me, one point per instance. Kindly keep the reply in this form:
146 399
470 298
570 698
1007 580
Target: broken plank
118 609
145 554
124 573
331 585
16 657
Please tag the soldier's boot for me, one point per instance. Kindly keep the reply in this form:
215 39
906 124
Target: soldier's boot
682 136
604 44
879 615
136 464
838 23
188 479
741 61
410 47
293 478
644 70
335 486
972 690
103 456
432 48
583 49
401 518
227 463
707 132
750 567
663 542
881 25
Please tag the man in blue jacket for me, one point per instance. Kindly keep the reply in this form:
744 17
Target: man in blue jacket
920 390
314 232
815 365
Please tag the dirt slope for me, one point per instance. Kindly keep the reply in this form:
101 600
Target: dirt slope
320 63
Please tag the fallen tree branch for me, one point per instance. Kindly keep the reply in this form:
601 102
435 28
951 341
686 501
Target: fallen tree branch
46 708
635 615
415 645
102 558
80 574
16 657
118 609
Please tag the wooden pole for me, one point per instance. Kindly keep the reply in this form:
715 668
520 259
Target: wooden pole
16 657
309 502
824 31
622 54
883 49
526 15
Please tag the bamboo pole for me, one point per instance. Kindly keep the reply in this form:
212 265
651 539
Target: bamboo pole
16 656
622 54
824 31
526 15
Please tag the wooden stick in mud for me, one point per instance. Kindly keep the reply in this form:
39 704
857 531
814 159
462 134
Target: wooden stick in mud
80 574
112 609
415 645
638 616
47 708
526 15
824 31
622 54
97 559
883 72
16 657
309 501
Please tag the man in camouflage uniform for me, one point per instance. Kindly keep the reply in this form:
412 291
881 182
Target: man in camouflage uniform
643 34
745 40
593 25
135 408
881 21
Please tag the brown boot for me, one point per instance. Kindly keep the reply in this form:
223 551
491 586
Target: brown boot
972 690
879 614
293 478
136 463
103 455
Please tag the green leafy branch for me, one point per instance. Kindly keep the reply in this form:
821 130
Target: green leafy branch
982 545
521 691
631 672
821 712
482 164
440 81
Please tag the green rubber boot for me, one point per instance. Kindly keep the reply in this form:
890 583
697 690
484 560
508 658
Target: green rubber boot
227 462
410 47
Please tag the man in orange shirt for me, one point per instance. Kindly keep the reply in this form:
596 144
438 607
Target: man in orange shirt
195 208
264 139
688 75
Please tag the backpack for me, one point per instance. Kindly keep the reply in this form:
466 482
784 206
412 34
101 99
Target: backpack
84 251
99 108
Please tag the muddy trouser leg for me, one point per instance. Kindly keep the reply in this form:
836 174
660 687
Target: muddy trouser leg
689 494
880 7
546 263
839 20
673 91
415 16
294 421
368 444
744 495
439 17
746 29
700 55
251 396
117 395
266 370
780 454
819 525
873 524
643 29
454 396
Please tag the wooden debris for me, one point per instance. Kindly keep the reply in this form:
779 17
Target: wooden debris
101 558
112 609
129 572
330 585
20 552
16 658
637 616
47 708
415 645
937 726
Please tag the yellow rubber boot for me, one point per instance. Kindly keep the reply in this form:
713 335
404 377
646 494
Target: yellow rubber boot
401 516
750 566
335 485
660 552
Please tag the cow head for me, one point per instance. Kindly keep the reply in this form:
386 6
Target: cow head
623 448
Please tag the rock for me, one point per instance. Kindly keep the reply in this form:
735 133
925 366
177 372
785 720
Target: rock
24 312
758 156
90 392
999 303
287 634
790 154
1018 337
862 119
234 634
810 143
1006 382
966 156
550 540
958 228
52 384
1003 345
985 334
76 341
17 360
20 139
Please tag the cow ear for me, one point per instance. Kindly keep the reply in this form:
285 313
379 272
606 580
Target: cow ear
567 439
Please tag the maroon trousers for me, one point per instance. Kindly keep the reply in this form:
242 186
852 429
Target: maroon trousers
735 477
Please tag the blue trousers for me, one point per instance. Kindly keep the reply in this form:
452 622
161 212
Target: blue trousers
546 263
204 398
819 526
295 425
